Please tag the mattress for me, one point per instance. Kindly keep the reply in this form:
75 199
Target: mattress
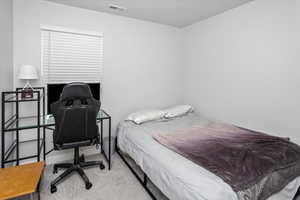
177 177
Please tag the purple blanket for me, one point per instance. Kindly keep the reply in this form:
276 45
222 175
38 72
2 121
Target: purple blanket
254 164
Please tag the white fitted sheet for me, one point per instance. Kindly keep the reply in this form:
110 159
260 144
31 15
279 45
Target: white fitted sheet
177 177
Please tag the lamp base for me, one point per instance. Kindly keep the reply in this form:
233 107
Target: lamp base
27 93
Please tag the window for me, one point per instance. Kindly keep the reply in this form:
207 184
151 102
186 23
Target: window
71 56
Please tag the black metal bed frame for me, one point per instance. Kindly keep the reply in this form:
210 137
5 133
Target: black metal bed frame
297 194
144 181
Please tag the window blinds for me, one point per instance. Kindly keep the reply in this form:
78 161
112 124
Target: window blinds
71 57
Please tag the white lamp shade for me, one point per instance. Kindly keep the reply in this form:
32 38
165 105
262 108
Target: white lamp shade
28 72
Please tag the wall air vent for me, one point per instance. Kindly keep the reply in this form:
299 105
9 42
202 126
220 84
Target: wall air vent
117 7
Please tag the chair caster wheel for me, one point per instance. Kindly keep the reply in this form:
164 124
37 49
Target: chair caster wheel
54 170
102 166
81 158
53 189
88 185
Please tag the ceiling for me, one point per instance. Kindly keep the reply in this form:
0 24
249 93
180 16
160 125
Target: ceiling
177 13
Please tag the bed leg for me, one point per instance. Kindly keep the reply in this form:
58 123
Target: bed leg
297 194
145 179
116 143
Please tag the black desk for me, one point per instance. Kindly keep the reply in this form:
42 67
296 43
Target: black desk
47 122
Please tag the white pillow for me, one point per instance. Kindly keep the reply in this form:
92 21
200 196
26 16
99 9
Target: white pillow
177 111
145 116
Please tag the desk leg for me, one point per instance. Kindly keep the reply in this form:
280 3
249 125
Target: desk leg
2 131
101 134
32 195
38 189
39 192
17 146
44 144
38 144
109 145
17 131
2 150
39 128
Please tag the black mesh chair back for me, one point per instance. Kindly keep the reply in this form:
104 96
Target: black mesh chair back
75 116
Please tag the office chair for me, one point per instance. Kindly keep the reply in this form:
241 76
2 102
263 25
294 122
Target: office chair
75 116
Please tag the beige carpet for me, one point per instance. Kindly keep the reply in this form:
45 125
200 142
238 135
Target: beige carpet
117 184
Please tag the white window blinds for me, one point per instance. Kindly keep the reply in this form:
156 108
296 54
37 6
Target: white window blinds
71 57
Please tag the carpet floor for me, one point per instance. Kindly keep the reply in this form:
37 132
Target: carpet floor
117 184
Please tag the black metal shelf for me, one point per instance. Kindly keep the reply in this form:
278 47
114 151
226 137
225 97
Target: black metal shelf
23 100
12 148
26 123
14 124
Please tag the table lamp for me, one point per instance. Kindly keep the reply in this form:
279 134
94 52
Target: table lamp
27 72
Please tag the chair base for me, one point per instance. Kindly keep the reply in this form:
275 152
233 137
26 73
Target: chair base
79 164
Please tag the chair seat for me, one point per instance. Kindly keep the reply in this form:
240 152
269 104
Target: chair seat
74 144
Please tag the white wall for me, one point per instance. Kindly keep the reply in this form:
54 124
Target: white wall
6 75
240 66
243 66
142 60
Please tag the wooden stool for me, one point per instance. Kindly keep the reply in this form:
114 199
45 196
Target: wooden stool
21 180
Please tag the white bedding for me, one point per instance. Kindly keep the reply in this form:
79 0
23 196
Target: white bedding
177 177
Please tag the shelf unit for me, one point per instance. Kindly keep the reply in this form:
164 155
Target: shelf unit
14 124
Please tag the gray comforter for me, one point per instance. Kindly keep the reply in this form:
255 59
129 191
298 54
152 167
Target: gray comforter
254 164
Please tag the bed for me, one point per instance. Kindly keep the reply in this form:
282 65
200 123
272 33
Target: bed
177 177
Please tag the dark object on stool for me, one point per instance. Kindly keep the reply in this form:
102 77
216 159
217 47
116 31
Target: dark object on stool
75 126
